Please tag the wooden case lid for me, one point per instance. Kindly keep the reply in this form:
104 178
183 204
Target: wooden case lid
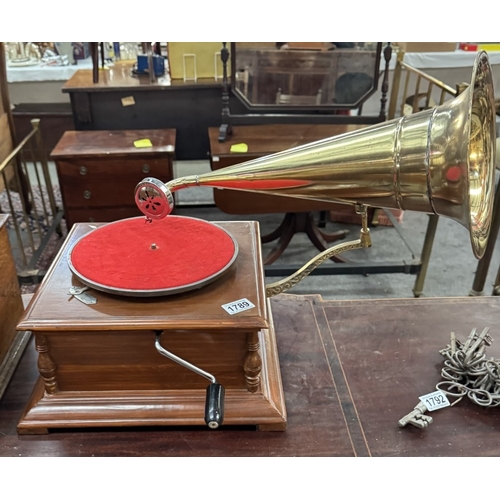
53 309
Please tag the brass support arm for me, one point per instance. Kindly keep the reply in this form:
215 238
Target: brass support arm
364 241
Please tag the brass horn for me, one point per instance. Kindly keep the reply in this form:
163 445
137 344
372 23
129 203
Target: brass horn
438 161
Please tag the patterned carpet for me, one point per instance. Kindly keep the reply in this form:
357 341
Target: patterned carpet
38 198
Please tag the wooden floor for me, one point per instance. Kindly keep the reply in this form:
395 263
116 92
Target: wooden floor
351 370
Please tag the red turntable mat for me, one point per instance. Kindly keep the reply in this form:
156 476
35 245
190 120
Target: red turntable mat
134 257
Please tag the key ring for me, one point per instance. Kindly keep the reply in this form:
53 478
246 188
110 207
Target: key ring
452 385
474 396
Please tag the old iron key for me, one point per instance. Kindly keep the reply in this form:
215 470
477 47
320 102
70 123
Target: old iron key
417 417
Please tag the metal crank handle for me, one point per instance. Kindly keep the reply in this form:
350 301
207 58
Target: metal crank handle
214 403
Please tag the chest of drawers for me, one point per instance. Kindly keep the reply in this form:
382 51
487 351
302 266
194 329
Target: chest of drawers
99 169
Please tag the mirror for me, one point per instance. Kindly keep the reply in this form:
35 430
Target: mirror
305 75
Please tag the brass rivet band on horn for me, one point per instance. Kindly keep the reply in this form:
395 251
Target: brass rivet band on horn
427 160
396 181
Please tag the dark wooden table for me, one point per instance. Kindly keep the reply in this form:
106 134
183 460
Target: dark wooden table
350 369
189 107
11 308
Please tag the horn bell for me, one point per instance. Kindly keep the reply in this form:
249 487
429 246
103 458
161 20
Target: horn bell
439 161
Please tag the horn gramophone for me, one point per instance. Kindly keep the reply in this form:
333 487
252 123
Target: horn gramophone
438 161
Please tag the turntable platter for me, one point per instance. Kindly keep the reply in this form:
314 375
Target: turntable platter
136 258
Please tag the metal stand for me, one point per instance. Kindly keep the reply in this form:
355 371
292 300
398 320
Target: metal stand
426 255
414 265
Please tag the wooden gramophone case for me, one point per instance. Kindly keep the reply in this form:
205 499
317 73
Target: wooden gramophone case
99 367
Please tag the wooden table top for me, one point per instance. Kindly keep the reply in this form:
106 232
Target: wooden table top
268 139
120 77
350 369
106 143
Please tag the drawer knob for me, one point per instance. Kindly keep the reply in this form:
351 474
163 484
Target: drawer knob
146 169
87 194
83 170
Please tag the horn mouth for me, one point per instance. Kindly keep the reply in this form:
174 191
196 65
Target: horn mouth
481 154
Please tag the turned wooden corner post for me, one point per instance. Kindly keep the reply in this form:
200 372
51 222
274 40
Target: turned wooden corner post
46 365
253 362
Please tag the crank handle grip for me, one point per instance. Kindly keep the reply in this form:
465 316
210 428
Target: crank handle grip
214 405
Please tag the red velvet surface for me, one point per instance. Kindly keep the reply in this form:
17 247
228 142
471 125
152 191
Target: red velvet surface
119 254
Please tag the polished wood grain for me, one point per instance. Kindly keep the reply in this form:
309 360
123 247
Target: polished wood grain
268 139
52 308
189 107
108 183
6 147
46 365
11 304
127 355
315 427
7 130
350 370
100 214
120 77
99 170
385 354
101 360
118 143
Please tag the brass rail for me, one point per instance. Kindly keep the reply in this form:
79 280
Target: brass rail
38 217
403 69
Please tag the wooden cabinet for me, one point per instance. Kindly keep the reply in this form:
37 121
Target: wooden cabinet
98 171
11 308
189 107
11 305
99 365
